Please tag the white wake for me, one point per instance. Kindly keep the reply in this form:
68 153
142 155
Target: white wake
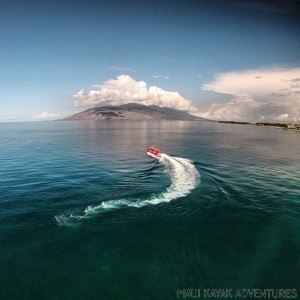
184 178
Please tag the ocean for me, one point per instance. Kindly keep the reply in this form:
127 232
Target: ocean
86 214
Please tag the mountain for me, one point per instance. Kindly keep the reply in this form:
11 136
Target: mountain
133 111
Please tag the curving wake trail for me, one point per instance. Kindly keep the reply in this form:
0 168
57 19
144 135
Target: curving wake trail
184 178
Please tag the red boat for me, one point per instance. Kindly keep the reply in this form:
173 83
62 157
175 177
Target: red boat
154 152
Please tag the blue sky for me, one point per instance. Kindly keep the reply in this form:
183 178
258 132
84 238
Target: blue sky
52 49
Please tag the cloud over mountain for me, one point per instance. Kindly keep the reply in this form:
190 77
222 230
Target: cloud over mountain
124 89
257 95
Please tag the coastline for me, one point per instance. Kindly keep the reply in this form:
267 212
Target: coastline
286 126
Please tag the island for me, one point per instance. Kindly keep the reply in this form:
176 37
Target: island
133 111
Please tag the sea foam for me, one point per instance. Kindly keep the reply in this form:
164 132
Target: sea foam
184 178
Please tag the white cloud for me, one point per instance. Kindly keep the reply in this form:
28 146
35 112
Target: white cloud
159 76
167 58
125 89
45 116
257 95
8 117
123 69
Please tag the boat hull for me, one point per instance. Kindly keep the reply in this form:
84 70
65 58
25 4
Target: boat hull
153 155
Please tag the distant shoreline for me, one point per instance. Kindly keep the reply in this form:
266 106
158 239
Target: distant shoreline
286 126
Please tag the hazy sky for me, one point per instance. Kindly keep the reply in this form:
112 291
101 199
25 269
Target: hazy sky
219 59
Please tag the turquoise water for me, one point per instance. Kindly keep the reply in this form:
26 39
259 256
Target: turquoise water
86 214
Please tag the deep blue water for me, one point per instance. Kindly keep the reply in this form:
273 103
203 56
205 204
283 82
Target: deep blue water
86 214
